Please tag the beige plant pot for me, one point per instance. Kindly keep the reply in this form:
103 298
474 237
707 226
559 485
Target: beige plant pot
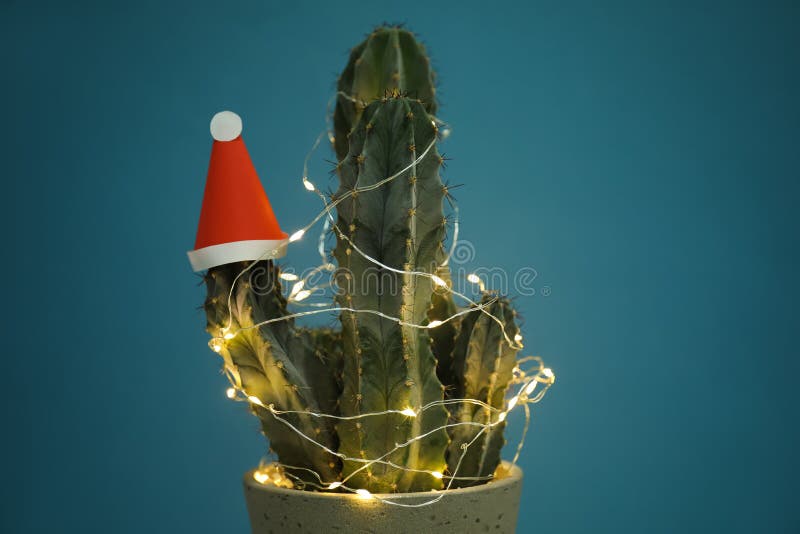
490 507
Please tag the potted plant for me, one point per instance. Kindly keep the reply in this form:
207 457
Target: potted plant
393 422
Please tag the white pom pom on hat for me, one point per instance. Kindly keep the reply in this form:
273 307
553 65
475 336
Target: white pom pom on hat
226 126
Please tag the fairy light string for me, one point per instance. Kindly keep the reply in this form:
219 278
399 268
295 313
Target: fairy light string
543 375
528 380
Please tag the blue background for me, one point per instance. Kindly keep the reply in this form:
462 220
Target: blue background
641 156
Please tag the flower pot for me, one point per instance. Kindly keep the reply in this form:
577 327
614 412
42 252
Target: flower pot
490 507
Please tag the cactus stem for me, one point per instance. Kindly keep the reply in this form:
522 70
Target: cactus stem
415 397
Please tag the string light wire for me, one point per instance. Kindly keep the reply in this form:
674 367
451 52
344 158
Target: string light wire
528 380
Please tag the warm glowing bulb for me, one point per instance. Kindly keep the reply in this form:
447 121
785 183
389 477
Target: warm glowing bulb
255 400
230 392
364 494
296 236
437 474
518 338
308 185
216 346
530 387
434 323
229 335
298 286
409 412
501 417
260 477
438 281
473 278
302 295
512 402
289 277
547 372
334 485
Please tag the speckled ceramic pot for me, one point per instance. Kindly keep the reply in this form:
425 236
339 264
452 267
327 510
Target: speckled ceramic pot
489 507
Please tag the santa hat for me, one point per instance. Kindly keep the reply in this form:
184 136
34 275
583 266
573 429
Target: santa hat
236 221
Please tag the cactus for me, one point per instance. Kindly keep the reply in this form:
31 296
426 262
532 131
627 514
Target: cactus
483 362
443 337
276 363
388 366
390 59
378 363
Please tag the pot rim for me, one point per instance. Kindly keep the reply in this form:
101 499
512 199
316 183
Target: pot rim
514 476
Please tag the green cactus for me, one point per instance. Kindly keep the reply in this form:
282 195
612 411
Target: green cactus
443 337
390 59
389 366
378 363
281 366
483 362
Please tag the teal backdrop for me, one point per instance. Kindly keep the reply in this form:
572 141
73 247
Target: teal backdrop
642 157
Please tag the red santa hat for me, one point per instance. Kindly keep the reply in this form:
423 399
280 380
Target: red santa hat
236 221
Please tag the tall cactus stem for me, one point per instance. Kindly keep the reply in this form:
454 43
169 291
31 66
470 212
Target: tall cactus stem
394 224
483 364
274 363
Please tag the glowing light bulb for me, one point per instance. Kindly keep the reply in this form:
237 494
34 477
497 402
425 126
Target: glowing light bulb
260 477
438 281
255 400
364 494
548 373
518 338
229 335
289 277
501 417
512 402
302 295
297 287
334 485
230 392
437 474
296 236
530 387
475 279
307 184
409 412
215 344
434 323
